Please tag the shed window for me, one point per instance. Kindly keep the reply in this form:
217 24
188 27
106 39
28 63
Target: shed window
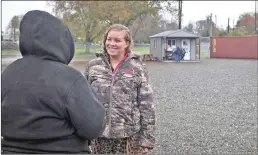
154 43
185 43
171 43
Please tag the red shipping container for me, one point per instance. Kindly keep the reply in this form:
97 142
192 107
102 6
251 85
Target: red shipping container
239 47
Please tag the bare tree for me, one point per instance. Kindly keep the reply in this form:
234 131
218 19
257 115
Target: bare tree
189 27
13 26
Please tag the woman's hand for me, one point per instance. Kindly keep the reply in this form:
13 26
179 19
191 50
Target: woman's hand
145 150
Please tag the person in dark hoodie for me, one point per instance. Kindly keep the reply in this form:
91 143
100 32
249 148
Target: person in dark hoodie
47 106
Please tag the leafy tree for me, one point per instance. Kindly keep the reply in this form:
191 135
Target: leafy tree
238 33
203 27
246 22
89 19
189 27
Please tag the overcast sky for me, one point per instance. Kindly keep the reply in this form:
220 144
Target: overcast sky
192 10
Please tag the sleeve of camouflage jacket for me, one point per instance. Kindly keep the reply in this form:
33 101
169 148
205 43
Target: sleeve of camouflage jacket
147 111
86 72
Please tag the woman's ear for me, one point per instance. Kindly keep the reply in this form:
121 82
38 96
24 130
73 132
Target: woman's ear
127 49
128 44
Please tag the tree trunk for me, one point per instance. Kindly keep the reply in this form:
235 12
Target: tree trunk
14 36
138 26
87 41
87 47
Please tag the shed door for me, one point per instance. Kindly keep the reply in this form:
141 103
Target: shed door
186 47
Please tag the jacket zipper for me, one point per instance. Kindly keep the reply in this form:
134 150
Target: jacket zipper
110 104
110 94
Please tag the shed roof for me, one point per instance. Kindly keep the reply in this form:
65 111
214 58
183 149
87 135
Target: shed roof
176 34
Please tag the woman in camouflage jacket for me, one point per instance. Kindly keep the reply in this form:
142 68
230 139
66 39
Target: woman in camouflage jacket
121 83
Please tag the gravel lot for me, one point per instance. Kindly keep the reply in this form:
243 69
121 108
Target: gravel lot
208 107
204 108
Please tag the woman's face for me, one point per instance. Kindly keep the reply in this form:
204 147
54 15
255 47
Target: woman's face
115 43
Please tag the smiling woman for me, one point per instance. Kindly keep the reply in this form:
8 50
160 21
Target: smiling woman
121 83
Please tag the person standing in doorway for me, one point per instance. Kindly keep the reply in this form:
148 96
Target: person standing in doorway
121 82
178 54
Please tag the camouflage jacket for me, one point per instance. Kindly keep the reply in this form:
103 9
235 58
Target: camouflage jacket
127 97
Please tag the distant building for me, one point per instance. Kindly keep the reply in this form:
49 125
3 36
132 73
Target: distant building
162 43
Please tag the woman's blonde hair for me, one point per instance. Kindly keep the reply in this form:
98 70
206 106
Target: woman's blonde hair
119 27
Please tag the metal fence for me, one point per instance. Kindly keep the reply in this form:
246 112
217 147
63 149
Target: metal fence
205 49
142 45
205 46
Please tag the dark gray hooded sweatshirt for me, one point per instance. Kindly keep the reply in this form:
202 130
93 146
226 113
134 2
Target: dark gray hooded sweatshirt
47 106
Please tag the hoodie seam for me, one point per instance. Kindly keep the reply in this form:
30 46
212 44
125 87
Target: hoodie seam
68 92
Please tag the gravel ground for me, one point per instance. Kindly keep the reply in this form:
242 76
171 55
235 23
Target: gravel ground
204 108
208 107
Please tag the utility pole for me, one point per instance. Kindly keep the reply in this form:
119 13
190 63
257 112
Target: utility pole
233 25
228 25
211 25
255 18
216 20
179 14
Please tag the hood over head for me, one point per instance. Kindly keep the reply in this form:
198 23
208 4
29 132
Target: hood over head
45 36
